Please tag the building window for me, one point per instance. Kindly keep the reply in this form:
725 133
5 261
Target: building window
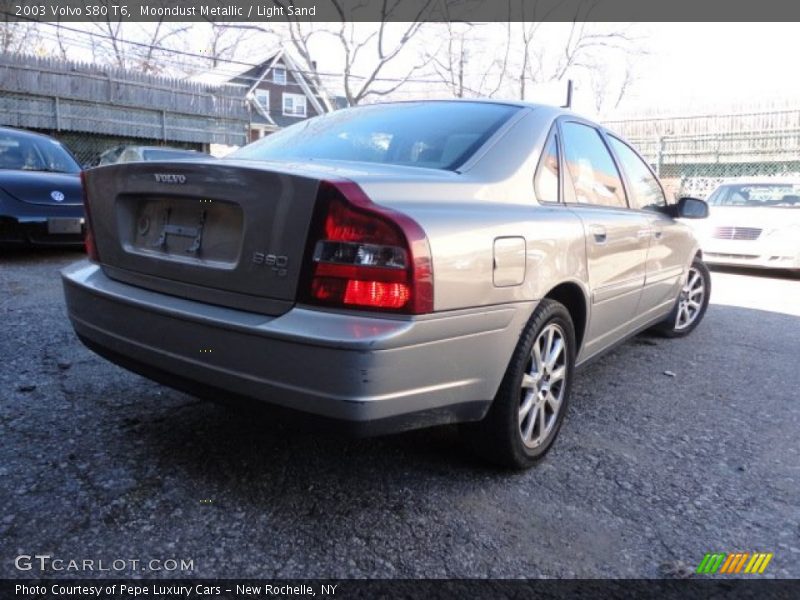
294 105
262 97
279 75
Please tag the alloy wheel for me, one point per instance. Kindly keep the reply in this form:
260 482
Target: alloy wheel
543 386
690 301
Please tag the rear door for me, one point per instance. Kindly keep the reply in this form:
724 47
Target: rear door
666 257
617 238
221 233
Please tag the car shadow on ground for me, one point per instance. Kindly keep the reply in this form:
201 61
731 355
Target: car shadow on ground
19 254
116 453
214 443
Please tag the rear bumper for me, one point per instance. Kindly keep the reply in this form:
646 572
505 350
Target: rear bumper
375 375
27 224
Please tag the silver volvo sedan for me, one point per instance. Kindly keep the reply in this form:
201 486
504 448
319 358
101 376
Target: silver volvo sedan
391 267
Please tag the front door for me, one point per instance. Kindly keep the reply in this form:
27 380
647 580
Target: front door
617 238
666 258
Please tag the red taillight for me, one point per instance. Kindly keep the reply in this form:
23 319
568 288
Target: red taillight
88 239
364 255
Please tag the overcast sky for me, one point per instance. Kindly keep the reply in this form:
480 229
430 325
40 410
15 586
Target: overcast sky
681 67
703 65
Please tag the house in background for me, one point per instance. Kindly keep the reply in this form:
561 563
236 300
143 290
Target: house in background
277 89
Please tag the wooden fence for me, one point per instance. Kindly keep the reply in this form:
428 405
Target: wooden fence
51 94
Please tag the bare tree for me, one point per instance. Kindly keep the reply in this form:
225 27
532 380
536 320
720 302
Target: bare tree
535 53
17 37
367 56
223 43
146 47
451 62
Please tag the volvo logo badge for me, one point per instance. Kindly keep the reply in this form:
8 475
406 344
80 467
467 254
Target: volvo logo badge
57 196
169 178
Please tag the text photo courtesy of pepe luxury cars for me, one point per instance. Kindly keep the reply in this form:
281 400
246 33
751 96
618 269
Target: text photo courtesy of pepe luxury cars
411 298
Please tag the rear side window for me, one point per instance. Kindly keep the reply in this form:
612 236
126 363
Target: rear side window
435 135
646 193
590 167
545 182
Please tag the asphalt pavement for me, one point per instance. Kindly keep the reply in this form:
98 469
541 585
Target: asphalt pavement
670 449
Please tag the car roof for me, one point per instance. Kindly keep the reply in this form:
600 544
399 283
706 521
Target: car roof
556 110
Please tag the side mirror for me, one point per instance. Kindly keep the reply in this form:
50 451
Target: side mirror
690 208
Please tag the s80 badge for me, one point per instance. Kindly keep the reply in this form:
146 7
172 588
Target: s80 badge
278 263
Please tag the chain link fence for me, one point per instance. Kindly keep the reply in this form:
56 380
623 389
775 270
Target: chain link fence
694 153
695 165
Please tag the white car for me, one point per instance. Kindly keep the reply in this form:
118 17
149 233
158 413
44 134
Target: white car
753 223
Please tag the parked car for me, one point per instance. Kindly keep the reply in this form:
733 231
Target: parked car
119 154
392 267
753 222
40 191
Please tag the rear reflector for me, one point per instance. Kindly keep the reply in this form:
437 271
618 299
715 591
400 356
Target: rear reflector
365 255
88 239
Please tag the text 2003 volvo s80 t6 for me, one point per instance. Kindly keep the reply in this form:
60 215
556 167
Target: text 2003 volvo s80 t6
391 267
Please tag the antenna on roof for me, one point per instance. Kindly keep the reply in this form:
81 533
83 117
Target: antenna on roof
569 94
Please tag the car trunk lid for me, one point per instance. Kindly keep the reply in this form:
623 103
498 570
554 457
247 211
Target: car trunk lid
227 234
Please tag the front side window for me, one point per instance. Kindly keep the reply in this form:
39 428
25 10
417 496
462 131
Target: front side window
279 75
433 135
590 168
294 105
546 180
646 193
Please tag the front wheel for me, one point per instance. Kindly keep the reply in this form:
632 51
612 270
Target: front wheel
527 411
692 302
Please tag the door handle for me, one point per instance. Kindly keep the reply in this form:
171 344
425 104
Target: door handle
658 234
599 233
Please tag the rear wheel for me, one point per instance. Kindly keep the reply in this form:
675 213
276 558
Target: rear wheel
692 302
527 411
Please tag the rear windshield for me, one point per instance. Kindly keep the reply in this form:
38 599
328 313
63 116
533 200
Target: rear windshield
435 135
168 154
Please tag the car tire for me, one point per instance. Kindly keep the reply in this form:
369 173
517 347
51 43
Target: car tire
506 436
690 290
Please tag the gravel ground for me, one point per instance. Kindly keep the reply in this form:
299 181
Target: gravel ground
671 449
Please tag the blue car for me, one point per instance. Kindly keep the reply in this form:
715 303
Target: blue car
41 202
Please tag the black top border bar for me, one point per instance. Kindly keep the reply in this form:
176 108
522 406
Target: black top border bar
265 11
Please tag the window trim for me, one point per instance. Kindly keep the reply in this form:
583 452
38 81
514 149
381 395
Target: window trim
286 95
601 134
277 68
258 91
626 182
553 133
